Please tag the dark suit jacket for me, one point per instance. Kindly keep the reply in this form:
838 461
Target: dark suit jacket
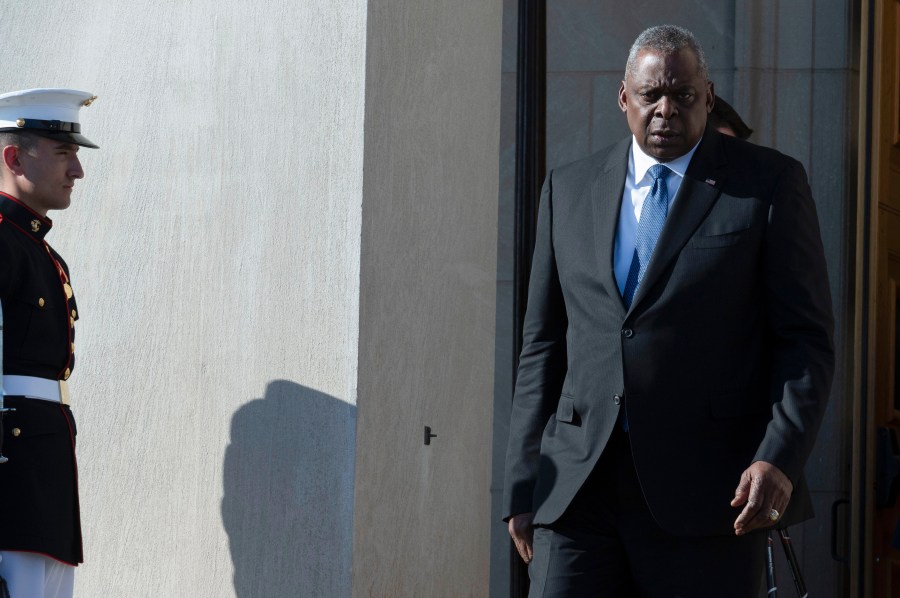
724 358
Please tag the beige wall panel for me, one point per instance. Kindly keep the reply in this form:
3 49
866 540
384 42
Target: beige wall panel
427 298
214 248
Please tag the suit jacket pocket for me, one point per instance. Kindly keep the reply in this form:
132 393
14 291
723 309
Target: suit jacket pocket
720 233
565 411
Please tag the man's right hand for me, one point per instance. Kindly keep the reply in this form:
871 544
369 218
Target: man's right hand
522 532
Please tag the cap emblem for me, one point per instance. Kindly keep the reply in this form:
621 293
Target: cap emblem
89 101
35 225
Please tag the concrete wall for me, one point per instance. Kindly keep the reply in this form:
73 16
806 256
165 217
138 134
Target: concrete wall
427 298
790 68
234 306
214 246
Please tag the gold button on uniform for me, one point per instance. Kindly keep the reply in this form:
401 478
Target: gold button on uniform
74 315
68 289
40 302
67 373
73 347
16 432
72 322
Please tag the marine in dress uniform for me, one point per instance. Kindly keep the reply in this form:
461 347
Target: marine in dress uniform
40 535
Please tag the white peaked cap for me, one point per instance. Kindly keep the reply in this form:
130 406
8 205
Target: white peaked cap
49 112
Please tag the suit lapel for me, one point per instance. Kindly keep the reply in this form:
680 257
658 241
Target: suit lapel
606 199
699 190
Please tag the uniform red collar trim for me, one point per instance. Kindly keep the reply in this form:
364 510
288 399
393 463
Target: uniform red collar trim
31 223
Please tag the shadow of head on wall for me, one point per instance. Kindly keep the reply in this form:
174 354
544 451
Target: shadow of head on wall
288 493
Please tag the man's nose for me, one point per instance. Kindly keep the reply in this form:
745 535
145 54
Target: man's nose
75 170
665 107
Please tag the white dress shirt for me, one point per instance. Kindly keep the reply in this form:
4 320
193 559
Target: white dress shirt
637 186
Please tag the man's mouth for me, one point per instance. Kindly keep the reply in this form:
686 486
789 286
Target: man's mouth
663 135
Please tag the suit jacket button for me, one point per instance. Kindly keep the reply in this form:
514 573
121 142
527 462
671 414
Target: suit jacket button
628 333
617 400
16 432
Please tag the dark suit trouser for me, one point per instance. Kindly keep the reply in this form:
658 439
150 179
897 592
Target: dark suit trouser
607 544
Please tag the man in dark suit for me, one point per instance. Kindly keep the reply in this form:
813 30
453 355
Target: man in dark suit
677 351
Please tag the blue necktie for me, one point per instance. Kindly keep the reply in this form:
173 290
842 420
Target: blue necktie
653 216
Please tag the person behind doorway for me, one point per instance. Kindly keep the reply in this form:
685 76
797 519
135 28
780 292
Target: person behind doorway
40 533
726 120
677 351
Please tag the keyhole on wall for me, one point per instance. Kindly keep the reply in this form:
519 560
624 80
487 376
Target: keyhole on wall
429 435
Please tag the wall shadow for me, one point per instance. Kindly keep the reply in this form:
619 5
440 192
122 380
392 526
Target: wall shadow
288 494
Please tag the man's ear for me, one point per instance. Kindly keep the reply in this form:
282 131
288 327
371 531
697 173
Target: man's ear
710 96
622 97
11 159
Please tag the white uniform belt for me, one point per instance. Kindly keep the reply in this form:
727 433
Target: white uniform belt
32 387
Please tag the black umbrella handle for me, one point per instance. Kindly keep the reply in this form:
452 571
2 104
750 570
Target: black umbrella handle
792 561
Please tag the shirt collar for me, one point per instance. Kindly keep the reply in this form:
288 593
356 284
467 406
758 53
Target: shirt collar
31 223
642 162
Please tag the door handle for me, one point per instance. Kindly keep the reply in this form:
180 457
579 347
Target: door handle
835 512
